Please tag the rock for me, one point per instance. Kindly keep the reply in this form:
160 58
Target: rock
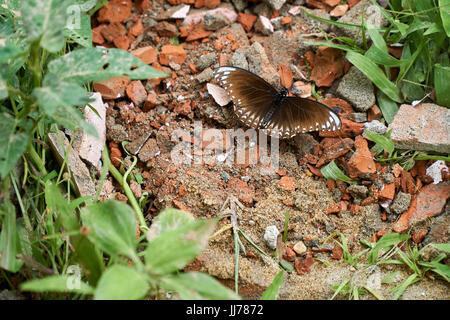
122 42
305 143
440 228
89 147
372 16
239 60
358 117
287 183
166 29
303 266
299 248
205 61
179 12
80 174
288 254
339 10
215 21
113 88
136 92
135 146
97 35
246 20
361 163
198 17
136 189
357 191
427 203
270 236
357 89
275 4
371 216
149 22
264 26
137 28
142 5
240 4
401 203
335 150
205 76
259 63
387 192
376 127
242 190
313 25
115 11
424 127
113 31
146 54
149 150
172 53
435 170
374 113
211 4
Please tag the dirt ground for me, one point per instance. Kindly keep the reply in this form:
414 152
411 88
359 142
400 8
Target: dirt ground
317 207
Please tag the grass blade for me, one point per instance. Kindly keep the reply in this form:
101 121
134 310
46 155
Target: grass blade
331 171
374 73
388 107
272 290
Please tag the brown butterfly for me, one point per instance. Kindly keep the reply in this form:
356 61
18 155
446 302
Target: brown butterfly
259 105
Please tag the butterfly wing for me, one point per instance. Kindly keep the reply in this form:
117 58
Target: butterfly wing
298 115
252 96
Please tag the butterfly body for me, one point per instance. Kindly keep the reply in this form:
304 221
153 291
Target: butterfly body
276 105
259 105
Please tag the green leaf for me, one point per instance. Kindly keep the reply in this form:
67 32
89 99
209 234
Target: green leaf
174 249
272 290
442 246
398 290
442 84
197 286
58 283
382 58
377 39
12 144
120 282
9 240
167 220
57 95
386 241
331 171
388 107
9 51
45 20
374 73
444 6
98 64
382 141
112 226
3 89
80 31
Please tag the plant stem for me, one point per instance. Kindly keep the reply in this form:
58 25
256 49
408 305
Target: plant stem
126 188
36 159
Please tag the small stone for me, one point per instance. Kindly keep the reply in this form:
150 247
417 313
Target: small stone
122 42
113 31
357 89
303 266
240 4
275 4
246 20
113 88
264 26
387 192
115 11
424 127
287 183
270 236
166 29
149 150
427 203
339 10
288 254
148 54
136 189
401 203
172 53
361 163
388 177
357 191
205 61
374 113
205 76
376 127
136 92
215 21
358 117
239 60
299 248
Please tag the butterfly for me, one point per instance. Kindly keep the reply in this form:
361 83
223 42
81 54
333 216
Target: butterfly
259 105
